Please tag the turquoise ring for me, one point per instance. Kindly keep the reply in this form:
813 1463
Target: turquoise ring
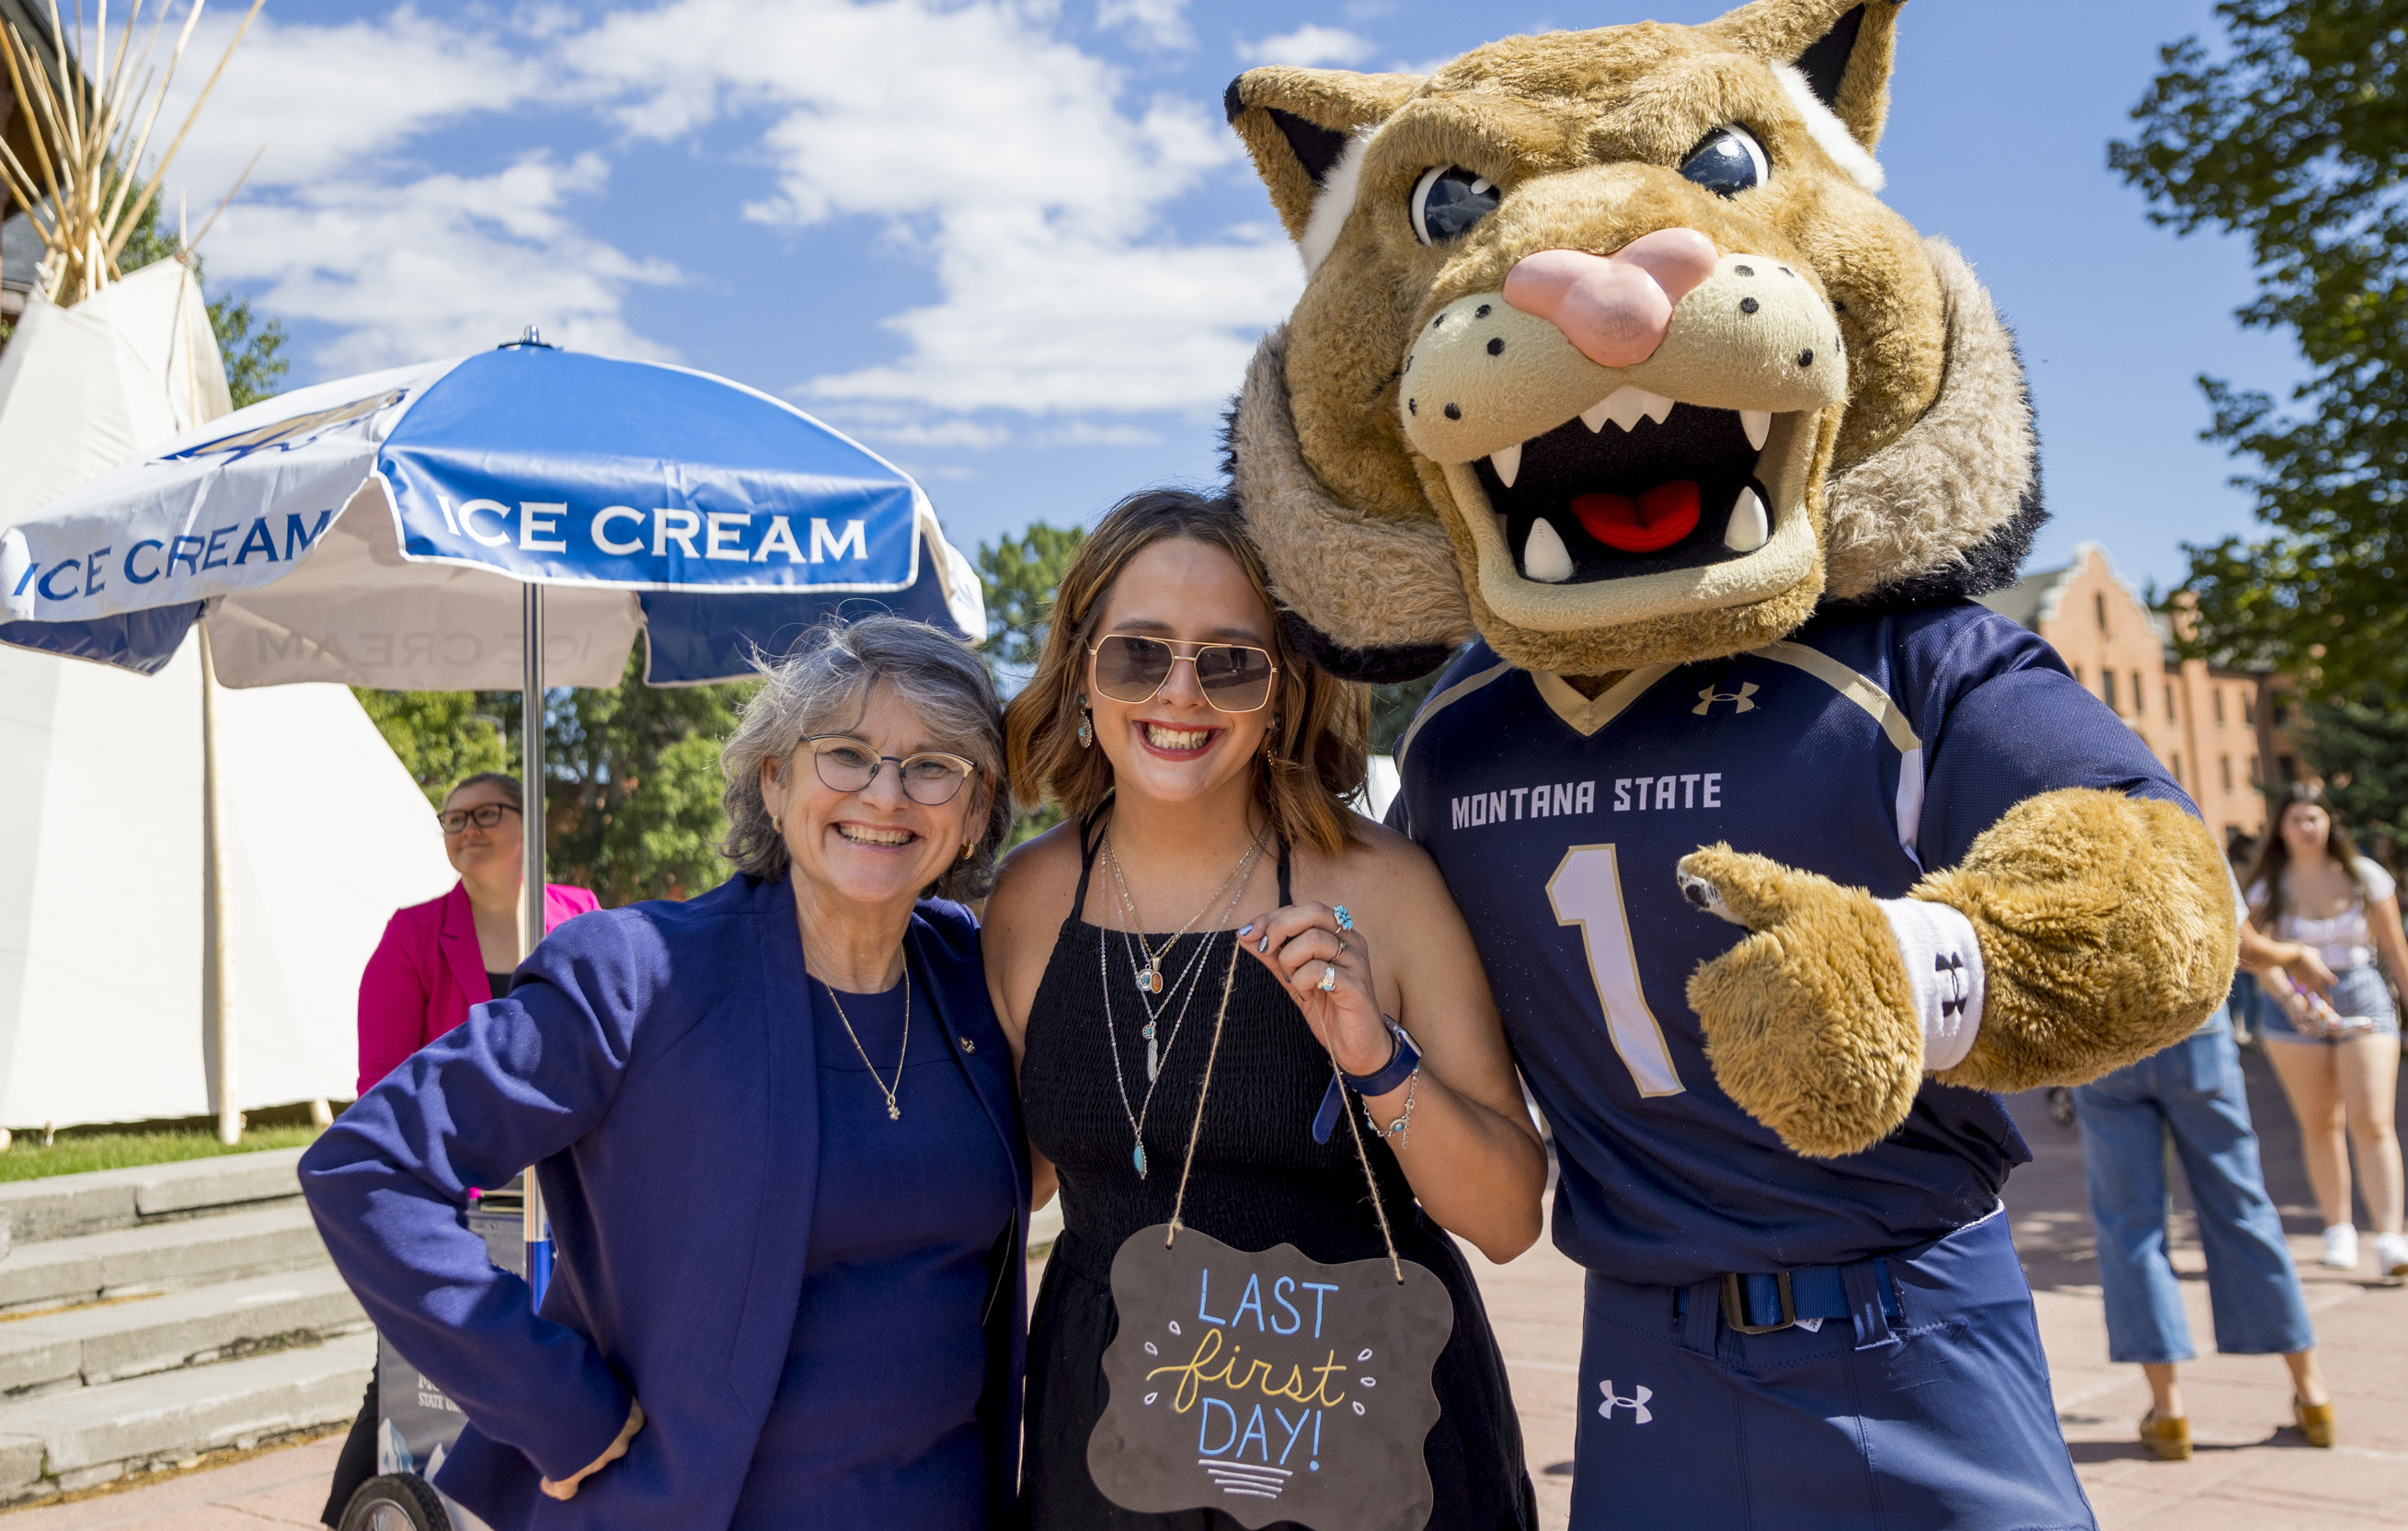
1345 920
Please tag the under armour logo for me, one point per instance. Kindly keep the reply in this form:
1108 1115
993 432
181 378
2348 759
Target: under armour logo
1636 1403
1707 698
1957 987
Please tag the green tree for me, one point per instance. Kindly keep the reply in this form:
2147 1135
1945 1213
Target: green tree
2296 138
440 736
1393 707
631 772
2359 744
635 784
1020 576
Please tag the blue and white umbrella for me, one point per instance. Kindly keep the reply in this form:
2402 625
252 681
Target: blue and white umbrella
380 530
509 519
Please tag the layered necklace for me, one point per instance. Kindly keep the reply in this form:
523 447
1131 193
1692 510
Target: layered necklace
894 1108
1181 989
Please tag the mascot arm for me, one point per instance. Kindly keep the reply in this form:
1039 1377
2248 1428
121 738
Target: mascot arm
2088 923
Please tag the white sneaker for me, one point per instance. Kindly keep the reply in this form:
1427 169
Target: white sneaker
2391 1255
2341 1247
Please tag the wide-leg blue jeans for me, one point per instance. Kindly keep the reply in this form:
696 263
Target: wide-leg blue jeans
2192 1093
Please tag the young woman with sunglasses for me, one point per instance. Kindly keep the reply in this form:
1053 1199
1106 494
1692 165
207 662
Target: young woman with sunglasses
1204 771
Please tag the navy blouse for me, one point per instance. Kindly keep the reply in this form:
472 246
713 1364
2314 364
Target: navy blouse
895 1290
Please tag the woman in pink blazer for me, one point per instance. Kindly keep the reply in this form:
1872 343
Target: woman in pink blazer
440 957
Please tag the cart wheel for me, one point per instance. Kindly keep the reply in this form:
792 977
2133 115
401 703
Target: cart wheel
400 1502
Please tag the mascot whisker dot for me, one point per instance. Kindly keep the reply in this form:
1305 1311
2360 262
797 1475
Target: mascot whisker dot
1783 853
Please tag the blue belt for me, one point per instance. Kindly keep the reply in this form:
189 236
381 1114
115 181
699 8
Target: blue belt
1862 1292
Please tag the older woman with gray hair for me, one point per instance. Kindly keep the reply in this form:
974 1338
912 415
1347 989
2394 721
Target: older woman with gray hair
776 1131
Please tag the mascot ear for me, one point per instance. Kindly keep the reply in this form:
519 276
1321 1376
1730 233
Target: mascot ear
1297 122
1842 49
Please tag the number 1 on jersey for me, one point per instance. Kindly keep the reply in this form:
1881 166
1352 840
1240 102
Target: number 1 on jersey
1587 891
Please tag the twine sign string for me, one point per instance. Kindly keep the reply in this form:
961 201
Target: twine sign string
1195 1129
1264 1384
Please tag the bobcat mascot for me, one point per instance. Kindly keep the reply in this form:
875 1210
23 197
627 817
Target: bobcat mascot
1610 355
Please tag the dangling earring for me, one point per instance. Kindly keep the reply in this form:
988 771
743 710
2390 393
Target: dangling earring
1086 724
1270 736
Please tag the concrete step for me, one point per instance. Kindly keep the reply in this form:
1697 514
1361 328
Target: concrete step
88 1347
62 1441
164 1257
67 1205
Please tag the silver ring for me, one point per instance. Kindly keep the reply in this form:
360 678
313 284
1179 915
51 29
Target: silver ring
1328 977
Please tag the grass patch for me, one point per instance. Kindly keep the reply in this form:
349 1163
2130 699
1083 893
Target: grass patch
76 1153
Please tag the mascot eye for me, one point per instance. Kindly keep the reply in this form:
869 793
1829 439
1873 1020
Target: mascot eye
1447 201
1727 162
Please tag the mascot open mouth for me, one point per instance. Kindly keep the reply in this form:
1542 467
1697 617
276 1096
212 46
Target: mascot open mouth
1637 485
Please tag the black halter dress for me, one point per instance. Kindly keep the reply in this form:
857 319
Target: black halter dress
1259 1179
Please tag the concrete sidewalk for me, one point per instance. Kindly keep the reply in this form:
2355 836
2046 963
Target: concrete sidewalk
2252 1472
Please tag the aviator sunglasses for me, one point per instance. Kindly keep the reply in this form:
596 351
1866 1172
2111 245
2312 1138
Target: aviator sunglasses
1131 670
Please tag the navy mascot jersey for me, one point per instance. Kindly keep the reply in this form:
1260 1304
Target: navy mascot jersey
1870 748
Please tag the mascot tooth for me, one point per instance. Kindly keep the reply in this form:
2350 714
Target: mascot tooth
1610 359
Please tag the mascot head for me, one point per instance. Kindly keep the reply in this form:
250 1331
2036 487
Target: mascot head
1609 352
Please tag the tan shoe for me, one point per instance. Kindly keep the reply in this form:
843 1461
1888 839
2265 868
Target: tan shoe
2316 1422
2171 1438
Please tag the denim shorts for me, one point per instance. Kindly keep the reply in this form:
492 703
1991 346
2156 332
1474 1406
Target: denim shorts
2356 992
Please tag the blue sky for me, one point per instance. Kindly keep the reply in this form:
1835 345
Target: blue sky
1012 246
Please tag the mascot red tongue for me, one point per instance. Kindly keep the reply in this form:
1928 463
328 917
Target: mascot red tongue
1616 392
1657 519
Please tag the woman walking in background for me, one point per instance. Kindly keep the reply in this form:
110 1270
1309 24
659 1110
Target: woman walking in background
2338 1058
436 960
2193 1094
1204 767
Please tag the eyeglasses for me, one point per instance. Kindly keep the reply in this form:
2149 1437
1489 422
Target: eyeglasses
484 815
931 778
1234 677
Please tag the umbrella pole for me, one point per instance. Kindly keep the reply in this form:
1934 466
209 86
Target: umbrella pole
217 973
536 1227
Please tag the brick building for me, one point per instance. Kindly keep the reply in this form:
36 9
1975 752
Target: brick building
2222 732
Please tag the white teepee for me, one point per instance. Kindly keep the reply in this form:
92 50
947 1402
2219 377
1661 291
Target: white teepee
101 799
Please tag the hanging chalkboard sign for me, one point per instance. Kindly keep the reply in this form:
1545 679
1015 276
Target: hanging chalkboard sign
1270 1387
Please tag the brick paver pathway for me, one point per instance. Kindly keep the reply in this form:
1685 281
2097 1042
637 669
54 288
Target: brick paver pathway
2251 1474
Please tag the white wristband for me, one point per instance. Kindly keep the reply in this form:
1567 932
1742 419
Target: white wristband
1943 968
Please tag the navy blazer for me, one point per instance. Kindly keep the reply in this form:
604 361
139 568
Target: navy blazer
637 1064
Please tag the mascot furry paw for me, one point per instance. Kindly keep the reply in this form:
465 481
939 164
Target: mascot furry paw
1611 355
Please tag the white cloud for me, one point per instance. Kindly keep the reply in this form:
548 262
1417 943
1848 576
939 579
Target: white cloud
1310 45
1156 23
343 228
1003 157
322 100
438 265
968 435
1016 166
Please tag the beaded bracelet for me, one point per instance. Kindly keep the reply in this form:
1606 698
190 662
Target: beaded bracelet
1402 1127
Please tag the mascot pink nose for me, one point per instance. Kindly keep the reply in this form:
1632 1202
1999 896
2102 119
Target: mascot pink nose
1614 307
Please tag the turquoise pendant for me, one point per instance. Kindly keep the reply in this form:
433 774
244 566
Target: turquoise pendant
1137 1157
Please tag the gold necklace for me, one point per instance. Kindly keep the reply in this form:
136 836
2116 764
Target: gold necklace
1149 977
894 1111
